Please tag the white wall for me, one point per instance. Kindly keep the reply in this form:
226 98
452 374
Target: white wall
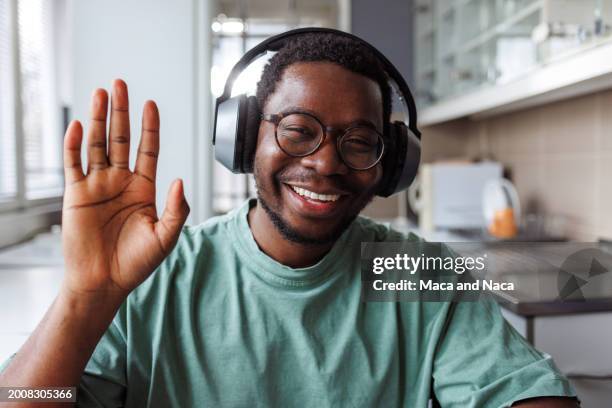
161 49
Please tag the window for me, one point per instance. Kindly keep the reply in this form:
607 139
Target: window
8 177
30 112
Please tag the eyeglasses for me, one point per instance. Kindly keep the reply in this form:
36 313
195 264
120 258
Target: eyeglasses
301 134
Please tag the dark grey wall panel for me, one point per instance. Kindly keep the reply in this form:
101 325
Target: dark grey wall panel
387 24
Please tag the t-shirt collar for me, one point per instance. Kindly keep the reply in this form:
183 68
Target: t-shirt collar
277 273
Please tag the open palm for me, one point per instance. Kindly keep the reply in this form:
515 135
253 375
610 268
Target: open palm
112 237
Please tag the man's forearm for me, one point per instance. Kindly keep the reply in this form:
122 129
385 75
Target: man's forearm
59 348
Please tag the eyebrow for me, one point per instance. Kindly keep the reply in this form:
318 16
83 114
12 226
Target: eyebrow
358 122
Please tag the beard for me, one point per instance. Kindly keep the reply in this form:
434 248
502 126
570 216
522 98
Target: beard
292 234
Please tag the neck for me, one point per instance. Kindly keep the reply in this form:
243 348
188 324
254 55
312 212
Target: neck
275 245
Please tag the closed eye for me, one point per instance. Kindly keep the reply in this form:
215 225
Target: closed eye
360 142
300 130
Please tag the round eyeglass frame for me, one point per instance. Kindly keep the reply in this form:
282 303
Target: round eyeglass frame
275 119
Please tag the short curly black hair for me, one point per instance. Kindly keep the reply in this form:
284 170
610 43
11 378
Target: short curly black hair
325 47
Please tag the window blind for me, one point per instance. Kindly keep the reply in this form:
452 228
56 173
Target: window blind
42 139
8 174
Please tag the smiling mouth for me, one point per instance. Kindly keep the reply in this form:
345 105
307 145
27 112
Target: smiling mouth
315 205
315 196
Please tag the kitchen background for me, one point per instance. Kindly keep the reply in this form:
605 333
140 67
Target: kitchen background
521 86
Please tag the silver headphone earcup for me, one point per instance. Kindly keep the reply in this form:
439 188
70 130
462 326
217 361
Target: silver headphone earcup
229 129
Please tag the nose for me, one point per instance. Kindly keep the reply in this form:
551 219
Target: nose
326 159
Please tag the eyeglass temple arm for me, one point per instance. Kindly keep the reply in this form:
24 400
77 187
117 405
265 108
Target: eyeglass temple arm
270 117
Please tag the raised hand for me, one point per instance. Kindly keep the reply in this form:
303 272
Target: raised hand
112 237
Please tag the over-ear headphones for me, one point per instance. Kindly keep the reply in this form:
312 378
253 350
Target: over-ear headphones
237 119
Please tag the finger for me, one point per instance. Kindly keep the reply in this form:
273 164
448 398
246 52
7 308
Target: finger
168 228
96 135
73 170
119 139
148 150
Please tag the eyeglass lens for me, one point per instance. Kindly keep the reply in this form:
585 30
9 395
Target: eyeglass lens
300 135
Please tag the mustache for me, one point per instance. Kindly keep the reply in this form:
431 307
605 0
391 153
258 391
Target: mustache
311 177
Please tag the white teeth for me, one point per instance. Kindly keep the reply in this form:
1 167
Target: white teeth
309 194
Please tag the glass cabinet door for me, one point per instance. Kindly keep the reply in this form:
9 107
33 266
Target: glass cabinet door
462 45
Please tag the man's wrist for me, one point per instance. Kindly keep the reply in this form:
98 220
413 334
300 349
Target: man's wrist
91 304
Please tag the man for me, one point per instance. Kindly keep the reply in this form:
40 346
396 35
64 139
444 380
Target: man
261 307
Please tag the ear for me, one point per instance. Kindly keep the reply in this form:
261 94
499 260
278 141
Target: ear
253 119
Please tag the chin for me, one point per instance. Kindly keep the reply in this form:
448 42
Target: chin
321 236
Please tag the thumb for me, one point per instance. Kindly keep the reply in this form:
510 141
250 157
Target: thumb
169 225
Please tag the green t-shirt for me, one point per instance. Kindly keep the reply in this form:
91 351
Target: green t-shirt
221 324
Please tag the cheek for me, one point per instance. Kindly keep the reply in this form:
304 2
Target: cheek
370 179
268 157
269 150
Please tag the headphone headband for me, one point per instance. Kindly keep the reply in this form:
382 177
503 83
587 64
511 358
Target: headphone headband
276 42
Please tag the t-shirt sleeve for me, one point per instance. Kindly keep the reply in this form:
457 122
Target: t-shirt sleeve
481 361
104 381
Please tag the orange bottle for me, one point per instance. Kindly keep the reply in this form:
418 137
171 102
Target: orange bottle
503 225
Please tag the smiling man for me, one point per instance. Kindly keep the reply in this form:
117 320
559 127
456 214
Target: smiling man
308 200
261 306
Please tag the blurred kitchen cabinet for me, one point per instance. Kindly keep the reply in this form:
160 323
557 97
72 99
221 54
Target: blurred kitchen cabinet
425 37
580 344
462 45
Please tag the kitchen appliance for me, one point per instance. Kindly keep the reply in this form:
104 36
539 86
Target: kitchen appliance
501 208
448 195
